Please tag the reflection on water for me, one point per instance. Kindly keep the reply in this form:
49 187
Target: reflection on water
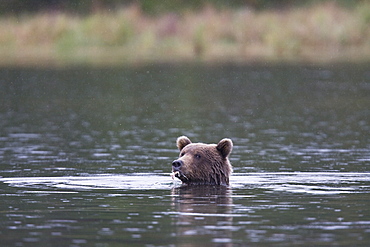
85 155
264 208
203 214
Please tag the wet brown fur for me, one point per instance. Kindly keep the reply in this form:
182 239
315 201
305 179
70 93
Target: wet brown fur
204 163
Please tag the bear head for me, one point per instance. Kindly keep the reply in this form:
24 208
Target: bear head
201 163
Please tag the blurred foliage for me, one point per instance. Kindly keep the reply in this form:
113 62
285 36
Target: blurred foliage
112 32
148 6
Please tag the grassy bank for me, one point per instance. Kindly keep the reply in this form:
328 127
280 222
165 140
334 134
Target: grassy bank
324 32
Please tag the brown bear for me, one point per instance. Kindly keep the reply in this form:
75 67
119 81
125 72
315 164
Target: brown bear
200 163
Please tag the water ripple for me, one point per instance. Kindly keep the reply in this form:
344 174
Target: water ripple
295 182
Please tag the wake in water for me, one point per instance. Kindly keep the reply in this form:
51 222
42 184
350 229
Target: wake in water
296 182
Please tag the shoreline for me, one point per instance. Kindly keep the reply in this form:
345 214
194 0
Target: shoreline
104 59
318 34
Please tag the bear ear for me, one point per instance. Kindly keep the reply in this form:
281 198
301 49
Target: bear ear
224 147
182 141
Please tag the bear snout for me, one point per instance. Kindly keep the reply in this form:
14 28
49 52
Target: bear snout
176 165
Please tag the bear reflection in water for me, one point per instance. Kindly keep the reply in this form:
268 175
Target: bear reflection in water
204 215
204 201
203 164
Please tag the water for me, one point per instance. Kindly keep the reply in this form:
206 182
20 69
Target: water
86 156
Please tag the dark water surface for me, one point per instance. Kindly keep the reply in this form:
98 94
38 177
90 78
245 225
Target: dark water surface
85 156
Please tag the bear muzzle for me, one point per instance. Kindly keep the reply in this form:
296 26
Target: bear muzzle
176 165
176 170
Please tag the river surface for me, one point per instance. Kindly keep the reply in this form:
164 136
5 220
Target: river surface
85 155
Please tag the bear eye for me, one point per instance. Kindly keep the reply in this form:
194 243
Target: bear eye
182 154
197 156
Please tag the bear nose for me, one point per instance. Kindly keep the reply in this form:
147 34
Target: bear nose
176 164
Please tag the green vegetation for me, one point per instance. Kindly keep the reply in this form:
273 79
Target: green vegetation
323 32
